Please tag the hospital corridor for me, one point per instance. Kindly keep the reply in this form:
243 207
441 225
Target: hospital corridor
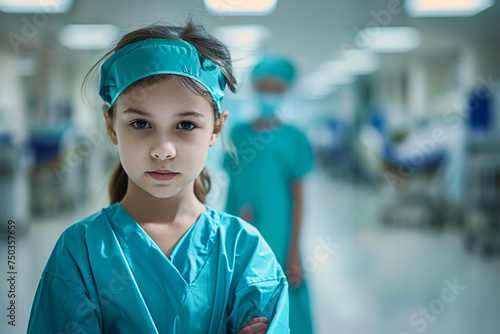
361 143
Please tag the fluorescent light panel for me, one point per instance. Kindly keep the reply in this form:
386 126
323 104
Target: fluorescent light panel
316 92
359 62
323 78
320 84
442 8
35 6
241 7
88 36
244 41
249 35
390 39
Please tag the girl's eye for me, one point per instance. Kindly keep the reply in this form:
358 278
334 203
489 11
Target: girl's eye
186 126
140 124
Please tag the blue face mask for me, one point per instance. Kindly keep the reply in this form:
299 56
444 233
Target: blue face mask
269 103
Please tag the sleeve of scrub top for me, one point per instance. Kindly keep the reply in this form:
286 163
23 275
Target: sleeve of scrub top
261 290
303 154
62 306
62 303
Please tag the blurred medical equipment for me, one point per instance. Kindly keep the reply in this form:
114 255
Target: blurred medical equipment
332 145
482 230
15 162
482 198
59 177
442 171
417 168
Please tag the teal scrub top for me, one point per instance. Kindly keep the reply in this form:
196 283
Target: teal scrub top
106 275
261 177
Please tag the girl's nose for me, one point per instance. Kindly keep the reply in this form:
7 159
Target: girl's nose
163 149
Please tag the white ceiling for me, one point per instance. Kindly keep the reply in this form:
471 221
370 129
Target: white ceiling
308 31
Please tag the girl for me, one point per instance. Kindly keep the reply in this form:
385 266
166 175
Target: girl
158 260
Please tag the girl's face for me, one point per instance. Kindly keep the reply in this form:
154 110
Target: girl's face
163 133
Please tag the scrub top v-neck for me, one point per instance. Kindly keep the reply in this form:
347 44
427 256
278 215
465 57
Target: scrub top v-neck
181 239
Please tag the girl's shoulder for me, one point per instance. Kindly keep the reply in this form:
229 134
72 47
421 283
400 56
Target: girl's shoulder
229 223
70 254
81 227
77 237
246 251
239 235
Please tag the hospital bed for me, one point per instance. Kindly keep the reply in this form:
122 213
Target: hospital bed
412 168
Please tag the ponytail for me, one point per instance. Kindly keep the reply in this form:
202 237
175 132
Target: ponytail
118 184
202 186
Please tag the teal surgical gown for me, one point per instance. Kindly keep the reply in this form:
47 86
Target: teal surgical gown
260 190
106 275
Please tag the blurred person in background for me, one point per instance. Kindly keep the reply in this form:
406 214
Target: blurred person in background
266 172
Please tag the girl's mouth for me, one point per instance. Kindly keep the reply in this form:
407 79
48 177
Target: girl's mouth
161 175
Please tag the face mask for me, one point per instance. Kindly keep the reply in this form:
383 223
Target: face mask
269 103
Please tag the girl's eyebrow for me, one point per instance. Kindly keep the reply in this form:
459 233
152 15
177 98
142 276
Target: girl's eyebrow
182 114
136 111
190 113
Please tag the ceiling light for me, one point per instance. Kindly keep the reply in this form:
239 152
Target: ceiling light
35 6
88 36
243 34
241 7
389 39
320 83
244 42
359 62
441 8
323 78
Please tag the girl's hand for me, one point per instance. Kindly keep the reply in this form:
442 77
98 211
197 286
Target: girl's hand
294 270
254 326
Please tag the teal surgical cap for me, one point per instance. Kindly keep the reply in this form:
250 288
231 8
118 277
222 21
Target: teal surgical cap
273 67
158 56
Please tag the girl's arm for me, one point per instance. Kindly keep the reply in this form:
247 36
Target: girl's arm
62 306
267 298
302 165
63 302
294 268
259 289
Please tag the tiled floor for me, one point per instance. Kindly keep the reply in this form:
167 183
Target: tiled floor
364 278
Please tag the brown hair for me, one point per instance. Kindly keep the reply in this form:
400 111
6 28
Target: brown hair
210 48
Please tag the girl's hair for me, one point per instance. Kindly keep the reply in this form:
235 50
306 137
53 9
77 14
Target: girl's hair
210 48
